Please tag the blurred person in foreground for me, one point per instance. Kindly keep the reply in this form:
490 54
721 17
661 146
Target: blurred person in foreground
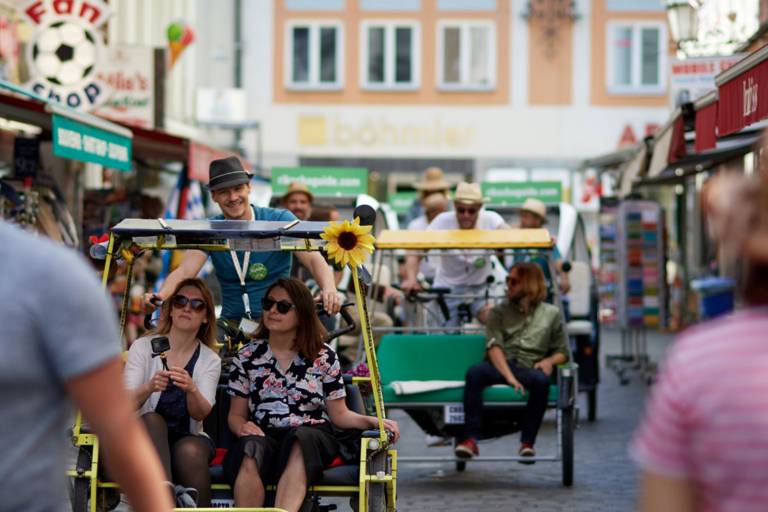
702 444
59 340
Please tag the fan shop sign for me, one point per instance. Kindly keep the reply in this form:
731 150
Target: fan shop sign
79 141
65 51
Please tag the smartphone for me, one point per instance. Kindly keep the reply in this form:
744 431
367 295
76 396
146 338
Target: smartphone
160 344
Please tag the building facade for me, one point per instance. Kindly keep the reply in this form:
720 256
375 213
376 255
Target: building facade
510 88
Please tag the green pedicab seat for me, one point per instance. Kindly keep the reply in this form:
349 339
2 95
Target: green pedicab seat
431 357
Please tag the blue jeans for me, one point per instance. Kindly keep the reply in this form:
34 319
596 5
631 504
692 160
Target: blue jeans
483 375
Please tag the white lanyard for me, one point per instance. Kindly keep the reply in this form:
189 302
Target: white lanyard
241 276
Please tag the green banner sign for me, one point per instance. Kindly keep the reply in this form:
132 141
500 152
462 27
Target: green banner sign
322 181
514 193
401 202
78 141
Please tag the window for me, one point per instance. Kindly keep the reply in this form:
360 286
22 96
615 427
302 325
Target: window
314 54
636 58
390 57
466 56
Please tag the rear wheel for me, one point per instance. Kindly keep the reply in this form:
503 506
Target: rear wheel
566 439
592 404
461 466
377 492
81 486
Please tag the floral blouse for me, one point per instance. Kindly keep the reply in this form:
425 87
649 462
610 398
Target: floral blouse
291 399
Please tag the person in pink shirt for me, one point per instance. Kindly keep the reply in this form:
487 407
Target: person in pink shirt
703 443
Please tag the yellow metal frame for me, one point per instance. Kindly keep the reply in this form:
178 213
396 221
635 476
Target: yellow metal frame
80 438
465 239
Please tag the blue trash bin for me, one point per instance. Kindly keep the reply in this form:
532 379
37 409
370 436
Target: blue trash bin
715 296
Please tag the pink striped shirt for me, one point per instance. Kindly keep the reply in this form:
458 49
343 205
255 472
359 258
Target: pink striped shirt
707 417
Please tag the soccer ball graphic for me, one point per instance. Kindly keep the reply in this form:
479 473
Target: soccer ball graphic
65 53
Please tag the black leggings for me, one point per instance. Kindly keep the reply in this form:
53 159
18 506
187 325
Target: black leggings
185 457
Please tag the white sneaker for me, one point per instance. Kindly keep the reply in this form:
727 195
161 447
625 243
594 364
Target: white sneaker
434 441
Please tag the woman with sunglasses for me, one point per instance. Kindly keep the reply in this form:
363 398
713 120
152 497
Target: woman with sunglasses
286 390
174 401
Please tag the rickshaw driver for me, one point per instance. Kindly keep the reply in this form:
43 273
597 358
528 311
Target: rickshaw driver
533 215
253 272
525 342
464 274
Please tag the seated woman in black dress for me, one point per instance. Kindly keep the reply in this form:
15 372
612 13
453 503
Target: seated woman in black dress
285 386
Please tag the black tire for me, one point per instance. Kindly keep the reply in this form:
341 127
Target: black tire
377 493
592 404
566 439
81 486
461 465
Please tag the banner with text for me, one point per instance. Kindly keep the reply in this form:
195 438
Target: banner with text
401 202
514 193
79 141
322 181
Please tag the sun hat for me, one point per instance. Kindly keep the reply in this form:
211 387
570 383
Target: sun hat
297 187
536 207
469 193
432 180
226 172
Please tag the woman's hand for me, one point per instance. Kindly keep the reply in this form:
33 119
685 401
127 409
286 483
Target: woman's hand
182 380
159 381
389 425
249 428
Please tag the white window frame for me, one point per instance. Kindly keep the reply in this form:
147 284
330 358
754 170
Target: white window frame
464 27
389 27
314 83
635 88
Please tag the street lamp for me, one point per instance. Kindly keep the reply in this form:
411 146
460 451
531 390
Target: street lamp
683 16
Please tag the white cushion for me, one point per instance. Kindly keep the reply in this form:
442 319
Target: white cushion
579 327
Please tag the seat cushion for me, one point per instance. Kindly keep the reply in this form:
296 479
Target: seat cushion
579 328
491 394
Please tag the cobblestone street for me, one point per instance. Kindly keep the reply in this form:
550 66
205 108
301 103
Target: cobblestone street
605 478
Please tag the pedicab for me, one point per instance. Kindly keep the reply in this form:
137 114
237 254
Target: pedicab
423 366
370 483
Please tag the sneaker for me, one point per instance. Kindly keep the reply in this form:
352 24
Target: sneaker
433 441
527 450
467 449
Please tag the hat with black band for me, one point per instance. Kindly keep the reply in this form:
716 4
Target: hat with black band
227 172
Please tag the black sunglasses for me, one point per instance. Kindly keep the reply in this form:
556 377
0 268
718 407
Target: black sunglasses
180 301
470 211
283 306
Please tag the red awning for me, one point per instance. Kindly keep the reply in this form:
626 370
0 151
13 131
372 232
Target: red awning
706 122
668 144
743 92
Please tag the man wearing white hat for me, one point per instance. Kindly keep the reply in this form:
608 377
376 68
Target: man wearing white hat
463 273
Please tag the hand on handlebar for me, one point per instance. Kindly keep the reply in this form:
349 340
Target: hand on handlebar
391 426
152 301
411 285
330 301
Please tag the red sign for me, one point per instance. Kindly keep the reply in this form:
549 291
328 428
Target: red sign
743 99
706 127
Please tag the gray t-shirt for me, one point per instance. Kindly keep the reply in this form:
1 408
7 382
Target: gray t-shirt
55 324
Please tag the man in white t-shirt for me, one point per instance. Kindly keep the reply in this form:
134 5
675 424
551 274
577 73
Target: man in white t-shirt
464 272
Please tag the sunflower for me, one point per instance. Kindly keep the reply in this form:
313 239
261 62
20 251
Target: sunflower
348 242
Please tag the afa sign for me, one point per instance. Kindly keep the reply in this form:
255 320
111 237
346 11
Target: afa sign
66 48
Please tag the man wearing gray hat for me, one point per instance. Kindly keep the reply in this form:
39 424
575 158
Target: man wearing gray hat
244 276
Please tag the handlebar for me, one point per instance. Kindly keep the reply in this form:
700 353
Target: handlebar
351 326
148 324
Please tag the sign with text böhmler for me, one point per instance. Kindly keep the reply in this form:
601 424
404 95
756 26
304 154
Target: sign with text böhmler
79 141
322 181
514 193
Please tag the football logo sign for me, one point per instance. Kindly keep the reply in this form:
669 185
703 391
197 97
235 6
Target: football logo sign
65 51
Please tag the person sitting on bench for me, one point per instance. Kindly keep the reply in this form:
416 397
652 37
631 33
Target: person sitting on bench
285 386
525 341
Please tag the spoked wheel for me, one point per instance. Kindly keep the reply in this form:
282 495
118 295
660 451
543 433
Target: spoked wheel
80 495
377 493
566 438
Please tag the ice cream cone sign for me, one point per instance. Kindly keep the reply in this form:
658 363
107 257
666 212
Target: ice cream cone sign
180 35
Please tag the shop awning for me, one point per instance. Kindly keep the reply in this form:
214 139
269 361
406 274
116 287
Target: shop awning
706 122
76 135
727 149
743 93
633 169
668 144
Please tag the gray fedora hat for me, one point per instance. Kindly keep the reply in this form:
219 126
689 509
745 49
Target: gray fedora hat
227 172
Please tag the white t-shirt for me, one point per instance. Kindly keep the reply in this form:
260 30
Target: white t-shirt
426 267
463 268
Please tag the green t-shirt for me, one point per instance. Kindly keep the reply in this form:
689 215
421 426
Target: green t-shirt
527 339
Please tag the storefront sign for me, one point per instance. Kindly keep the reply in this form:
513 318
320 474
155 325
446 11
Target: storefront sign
78 141
65 51
401 202
743 92
692 78
322 181
514 193
130 73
